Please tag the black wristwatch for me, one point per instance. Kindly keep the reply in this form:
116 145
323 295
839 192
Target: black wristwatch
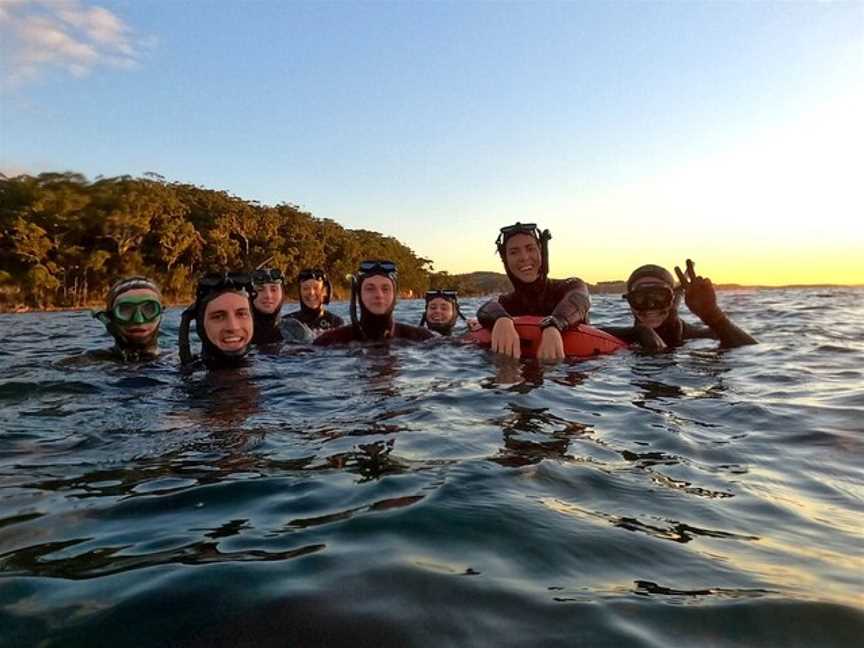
546 322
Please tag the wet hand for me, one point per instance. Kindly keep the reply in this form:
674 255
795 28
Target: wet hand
699 294
505 339
648 339
473 324
551 346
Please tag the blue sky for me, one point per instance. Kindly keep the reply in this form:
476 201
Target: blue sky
637 132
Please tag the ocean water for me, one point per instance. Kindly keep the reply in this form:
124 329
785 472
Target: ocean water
433 494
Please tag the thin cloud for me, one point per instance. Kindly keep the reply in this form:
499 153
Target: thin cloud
66 35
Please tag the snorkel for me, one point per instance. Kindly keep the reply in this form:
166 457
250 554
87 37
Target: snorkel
444 328
211 287
368 325
542 238
132 317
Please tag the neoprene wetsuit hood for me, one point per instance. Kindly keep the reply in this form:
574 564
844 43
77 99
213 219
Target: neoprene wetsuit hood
447 327
653 271
542 238
672 326
368 325
115 327
320 275
212 355
267 324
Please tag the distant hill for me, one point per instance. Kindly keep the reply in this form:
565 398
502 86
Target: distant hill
472 284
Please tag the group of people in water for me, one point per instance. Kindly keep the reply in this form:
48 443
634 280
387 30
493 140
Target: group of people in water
234 311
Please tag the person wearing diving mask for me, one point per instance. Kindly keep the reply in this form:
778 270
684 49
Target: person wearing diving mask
563 303
270 326
654 299
314 291
442 311
374 289
133 312
222 313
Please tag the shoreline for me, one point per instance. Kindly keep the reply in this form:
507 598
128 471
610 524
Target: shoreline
596 290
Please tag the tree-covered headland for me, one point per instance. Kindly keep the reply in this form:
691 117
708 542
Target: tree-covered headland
64 239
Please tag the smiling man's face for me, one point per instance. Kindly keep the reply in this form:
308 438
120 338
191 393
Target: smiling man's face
228 321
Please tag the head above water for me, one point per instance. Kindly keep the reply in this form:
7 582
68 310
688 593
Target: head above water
315 289
223 318
378 294
524 250
270 295
442 311
133 312
652 295
374 290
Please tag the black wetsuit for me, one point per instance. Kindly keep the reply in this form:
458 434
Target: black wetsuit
317 320
117 354
674 332
125 350
273 329
565 299
346 334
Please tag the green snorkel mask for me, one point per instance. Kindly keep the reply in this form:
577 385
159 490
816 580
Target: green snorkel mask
136 310
125 311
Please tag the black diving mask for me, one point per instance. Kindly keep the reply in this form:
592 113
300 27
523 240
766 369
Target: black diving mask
530 229
315 273
650 298
450 295
222 281
264 276
377 267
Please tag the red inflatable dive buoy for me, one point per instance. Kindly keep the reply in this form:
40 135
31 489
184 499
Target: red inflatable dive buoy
581 342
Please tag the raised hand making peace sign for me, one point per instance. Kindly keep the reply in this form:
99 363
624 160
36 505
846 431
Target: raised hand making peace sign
699 294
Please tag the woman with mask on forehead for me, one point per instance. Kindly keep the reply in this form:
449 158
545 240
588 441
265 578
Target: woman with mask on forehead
654 299
133 312
270 327
374 289
442 312
564 303
315 290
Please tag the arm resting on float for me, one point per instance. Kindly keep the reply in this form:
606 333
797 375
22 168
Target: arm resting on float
574 306
491 312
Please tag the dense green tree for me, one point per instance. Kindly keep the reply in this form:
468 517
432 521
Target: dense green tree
64 239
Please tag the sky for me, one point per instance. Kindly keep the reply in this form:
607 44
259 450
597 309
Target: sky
637 132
